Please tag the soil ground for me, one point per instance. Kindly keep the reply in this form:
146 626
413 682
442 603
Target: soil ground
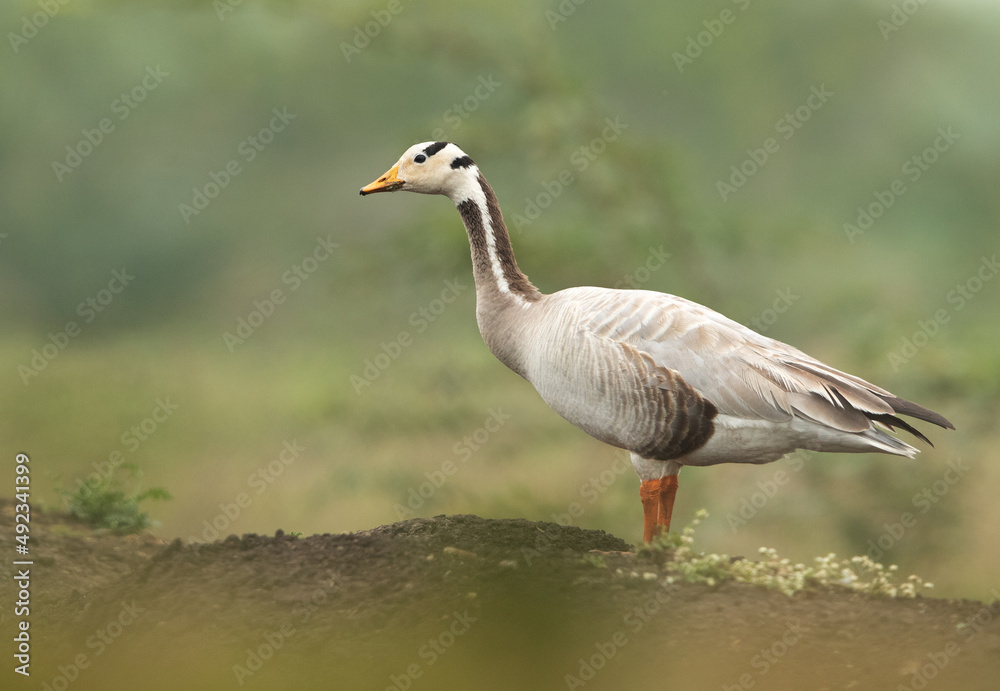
455 602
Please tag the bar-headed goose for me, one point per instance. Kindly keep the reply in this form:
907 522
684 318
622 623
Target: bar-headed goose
673 382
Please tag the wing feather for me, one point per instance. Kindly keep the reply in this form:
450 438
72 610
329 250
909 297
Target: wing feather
743 373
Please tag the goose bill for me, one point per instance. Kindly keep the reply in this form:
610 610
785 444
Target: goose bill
387 183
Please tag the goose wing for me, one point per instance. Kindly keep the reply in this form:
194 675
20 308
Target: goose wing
743 373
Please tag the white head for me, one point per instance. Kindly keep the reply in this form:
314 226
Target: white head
431 168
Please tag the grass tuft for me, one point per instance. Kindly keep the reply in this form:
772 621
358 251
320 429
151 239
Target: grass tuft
109 507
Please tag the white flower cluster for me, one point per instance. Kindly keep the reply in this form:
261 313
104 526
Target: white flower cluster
859 574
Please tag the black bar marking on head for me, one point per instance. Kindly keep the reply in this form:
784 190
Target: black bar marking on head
461 162
434 148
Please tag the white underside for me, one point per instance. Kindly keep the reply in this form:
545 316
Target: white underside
738 440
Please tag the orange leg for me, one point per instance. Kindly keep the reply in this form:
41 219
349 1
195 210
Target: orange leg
657 505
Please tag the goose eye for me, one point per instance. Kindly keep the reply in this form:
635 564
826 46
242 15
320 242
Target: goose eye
419 158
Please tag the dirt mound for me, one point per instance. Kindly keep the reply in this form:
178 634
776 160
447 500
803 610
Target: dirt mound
461 602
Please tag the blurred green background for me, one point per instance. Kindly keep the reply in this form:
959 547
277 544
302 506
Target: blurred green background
185 89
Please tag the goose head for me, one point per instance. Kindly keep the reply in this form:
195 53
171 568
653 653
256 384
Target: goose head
430 168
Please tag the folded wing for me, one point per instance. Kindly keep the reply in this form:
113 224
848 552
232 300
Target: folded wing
743 373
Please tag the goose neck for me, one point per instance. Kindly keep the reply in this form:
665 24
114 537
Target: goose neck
499 281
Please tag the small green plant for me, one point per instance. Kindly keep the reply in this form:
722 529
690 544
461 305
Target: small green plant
859 574
595 560
108 506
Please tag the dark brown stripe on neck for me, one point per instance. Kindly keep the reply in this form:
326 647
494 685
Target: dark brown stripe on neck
472 216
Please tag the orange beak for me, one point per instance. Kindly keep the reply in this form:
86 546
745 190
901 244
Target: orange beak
387 183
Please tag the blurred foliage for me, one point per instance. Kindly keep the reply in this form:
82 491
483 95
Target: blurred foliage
358 101
106 505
